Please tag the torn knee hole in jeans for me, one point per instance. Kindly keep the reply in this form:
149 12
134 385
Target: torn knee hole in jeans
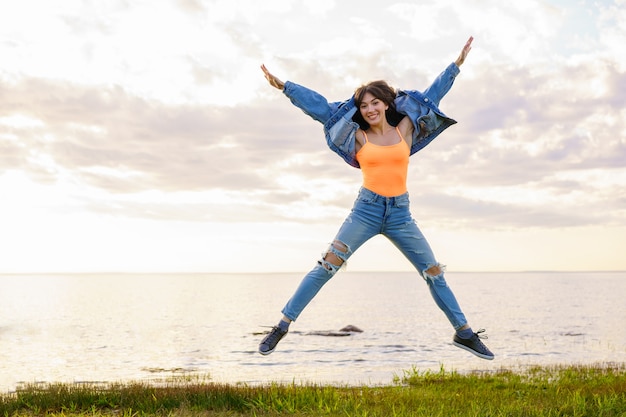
335 257
434 271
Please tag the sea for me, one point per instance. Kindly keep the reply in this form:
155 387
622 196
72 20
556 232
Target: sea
110 328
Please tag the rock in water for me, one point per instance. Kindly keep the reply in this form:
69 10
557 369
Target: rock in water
351 328
346 331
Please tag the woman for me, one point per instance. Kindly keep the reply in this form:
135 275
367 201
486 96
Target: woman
377 130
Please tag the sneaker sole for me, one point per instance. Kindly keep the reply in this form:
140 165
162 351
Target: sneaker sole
480 355
266 353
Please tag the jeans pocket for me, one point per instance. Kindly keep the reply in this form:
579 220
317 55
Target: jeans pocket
365 196
402 201
362 204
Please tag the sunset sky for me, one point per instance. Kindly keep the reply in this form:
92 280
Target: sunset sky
141 136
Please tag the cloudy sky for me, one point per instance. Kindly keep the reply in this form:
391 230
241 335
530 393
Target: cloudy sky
141 135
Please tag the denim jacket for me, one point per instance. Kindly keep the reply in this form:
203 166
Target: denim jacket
340 130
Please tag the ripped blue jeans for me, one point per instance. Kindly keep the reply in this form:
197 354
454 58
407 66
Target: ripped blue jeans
371 215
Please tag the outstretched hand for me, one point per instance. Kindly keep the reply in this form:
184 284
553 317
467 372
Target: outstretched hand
274 82
468 46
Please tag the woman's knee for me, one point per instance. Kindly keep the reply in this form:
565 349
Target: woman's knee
335 257
433 271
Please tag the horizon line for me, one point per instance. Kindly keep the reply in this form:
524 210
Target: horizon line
300 272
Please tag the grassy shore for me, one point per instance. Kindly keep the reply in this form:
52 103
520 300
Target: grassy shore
594 391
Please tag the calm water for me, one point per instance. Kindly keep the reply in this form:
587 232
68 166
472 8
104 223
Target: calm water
102 328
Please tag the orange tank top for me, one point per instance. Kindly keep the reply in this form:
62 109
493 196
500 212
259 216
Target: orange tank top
384 168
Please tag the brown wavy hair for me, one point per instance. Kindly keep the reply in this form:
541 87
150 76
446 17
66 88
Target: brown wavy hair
382 91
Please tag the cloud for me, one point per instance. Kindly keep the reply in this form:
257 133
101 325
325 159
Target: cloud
534 148
518 129
122 146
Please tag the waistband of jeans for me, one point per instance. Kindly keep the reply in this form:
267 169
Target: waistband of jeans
372 196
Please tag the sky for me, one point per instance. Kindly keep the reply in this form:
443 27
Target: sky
141 136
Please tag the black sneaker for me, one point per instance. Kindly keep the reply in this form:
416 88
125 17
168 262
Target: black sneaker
474 345
268 344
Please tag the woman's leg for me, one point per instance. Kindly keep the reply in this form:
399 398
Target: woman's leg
363 223
407 236
402 230
312 282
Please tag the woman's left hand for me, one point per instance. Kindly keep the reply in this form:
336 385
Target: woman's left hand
468 46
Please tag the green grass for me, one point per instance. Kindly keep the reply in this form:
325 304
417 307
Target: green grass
594 391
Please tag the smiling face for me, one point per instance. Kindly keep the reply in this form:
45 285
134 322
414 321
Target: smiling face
373 109
372 100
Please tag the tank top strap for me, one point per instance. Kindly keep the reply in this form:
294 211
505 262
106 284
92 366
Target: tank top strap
365 136
399 134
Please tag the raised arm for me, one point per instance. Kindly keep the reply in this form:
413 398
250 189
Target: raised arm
444 81
310 102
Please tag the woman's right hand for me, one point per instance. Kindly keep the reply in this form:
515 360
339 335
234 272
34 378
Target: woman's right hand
468 47
274 82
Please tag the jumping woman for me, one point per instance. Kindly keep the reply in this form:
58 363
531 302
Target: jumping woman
377 130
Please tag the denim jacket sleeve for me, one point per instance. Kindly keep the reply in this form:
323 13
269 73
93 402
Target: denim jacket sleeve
339 129
423 108
442 84
310 102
